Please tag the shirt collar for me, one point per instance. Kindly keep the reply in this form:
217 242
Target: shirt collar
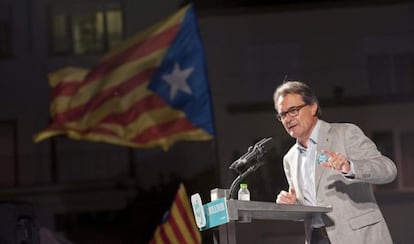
313 138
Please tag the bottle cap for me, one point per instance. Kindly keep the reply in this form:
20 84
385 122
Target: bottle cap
243 185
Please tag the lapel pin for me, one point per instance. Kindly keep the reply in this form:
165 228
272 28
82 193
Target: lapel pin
322 158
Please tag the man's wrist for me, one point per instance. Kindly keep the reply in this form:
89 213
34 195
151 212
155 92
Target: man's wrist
350 172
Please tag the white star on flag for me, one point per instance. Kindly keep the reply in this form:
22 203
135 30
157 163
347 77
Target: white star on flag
178 80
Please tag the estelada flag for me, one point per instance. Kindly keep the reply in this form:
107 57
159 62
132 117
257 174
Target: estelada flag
178 225
151 91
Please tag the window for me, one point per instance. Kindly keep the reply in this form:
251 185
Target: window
85 28
5 33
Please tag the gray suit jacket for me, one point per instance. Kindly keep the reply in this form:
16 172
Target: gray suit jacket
355 216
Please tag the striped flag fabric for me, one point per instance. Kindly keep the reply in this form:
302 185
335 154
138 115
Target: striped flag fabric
150 91
178 225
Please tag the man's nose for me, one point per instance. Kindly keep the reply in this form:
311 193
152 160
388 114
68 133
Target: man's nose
289 117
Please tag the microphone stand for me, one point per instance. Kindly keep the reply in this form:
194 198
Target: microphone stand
243 175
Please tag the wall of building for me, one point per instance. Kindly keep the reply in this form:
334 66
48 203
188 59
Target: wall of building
249 55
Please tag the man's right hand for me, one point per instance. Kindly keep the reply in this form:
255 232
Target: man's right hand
285 197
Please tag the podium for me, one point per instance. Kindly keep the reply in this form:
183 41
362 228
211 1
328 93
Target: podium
224 211
247 211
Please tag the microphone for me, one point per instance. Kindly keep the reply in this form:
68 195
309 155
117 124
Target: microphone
259 149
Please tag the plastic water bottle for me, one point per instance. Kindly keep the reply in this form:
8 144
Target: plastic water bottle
244 193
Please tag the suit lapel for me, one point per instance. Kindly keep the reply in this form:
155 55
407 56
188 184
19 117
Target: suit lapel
295 175
323 143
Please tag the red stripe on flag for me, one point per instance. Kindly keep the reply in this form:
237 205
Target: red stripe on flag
135 52
95 130
122 119
120 90
152 133
163 234
185 216
176 230
146 104
68 88
164 130
100 130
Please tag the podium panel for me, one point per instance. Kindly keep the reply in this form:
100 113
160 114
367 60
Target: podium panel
240 210
248 211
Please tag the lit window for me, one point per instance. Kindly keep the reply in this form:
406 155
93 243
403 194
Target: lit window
85 28
114 27
60 41
88 33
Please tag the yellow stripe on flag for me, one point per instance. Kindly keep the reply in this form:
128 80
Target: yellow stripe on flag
67 74
143 122
112 79
170 233
181 225
112 106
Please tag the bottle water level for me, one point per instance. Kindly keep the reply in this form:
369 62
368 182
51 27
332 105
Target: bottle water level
244 193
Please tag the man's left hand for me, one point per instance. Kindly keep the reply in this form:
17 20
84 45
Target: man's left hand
336 161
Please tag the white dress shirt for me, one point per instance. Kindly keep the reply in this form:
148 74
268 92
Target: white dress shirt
307 164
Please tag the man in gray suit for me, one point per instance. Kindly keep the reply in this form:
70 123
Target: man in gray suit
331 164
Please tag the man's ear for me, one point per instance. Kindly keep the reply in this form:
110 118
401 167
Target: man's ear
314 109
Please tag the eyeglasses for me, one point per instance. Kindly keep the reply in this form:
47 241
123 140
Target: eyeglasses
292 112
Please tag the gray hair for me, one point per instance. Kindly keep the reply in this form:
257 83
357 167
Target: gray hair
298 87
